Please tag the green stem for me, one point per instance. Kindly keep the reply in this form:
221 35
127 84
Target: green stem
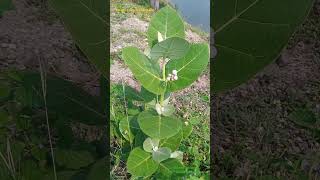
164 79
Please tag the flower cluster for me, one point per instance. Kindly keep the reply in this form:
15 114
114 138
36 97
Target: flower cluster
173 76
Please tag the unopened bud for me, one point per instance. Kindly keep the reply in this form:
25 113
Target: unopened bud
175 77
174 72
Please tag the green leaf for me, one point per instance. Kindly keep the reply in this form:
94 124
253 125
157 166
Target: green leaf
99 170
5 5
158 126
161 154
87 23
168 110
249 35
177 155
146 72
128 126
73 159
189 67
139 139
150 144
172 48
171 167
173 142
304 118
167 22
186 129
140 163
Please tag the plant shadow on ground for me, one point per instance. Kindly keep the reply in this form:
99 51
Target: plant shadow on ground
269 127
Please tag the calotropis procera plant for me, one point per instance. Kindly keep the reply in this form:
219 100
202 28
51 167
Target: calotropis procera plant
171 64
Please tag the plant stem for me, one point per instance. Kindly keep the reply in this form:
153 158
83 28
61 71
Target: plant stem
164 79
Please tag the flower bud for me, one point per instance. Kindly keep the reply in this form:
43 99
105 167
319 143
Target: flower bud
175 77
174 72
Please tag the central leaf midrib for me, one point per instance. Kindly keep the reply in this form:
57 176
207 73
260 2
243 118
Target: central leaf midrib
92 12
132 60
236 16
184 66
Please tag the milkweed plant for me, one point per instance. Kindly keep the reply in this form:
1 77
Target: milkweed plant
171 64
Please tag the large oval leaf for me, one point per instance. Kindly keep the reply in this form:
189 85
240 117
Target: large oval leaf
161 154
172 48
87 23
250 34
168 23
189 67
146 72
140 163
173 142
157 126
150 144
171 167
128 126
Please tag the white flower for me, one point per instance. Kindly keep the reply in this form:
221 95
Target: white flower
186 123
175 77
155 148
174 72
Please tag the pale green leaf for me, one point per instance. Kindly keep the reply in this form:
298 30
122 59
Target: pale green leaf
177 155
189 67
150 144
128 126
172 48
161 154
140 163
172 142
157 126
171 167
168 110
167 22
146 72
